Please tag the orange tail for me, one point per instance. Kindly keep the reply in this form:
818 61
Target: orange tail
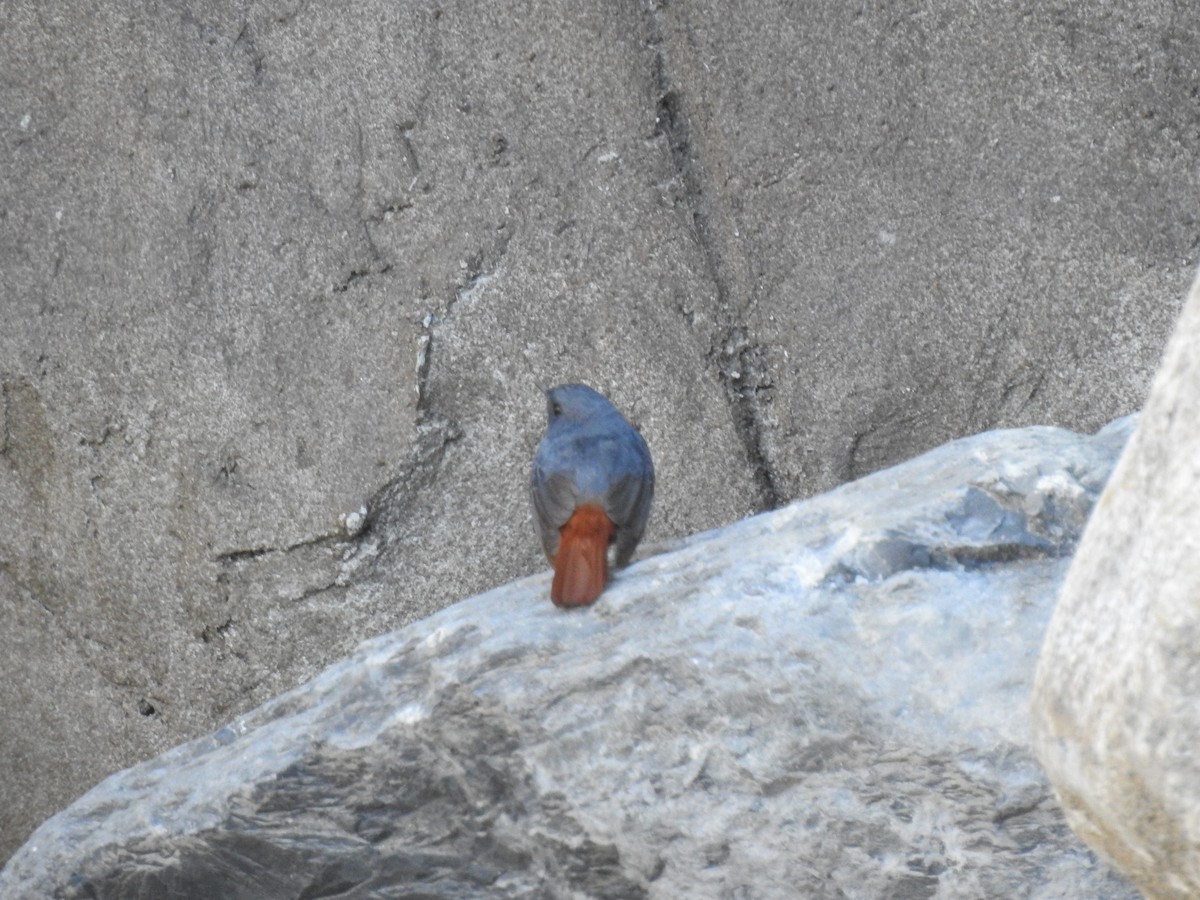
581 564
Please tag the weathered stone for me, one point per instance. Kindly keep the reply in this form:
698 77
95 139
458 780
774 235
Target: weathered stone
870 175
264 267
278 282
829 700
1116 710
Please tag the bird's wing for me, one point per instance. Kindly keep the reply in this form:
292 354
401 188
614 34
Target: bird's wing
554 498
628 505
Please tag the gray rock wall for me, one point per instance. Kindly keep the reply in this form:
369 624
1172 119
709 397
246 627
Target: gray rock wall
264 265
1115 703
934 220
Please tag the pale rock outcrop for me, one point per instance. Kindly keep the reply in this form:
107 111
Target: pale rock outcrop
829 700
1117 701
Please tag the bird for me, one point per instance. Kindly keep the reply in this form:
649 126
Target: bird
592 483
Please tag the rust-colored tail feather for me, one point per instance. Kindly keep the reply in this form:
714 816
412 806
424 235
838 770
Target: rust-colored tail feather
581 564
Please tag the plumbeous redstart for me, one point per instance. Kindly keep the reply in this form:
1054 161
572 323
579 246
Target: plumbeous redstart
592 484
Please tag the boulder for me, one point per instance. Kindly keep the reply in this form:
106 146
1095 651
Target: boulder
1115 706
828 700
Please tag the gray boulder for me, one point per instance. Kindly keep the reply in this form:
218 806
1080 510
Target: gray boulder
278 282
1116 704
829 700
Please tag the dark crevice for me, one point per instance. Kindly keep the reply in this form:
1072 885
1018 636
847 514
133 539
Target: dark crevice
1014 810
109 429
210 633
850 468
738 360
237 556
309 592
356 275
233 557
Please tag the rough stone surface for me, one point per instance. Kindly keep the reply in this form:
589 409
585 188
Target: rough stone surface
1115 706
934 221
278 282
829 700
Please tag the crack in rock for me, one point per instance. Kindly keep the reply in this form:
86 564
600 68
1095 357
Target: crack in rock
234 557
739 361
360 274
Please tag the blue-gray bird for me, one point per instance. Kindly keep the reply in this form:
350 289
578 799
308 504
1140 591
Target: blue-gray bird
592 484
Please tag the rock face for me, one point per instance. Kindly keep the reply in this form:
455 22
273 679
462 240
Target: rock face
1115 707
278 282
829 700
